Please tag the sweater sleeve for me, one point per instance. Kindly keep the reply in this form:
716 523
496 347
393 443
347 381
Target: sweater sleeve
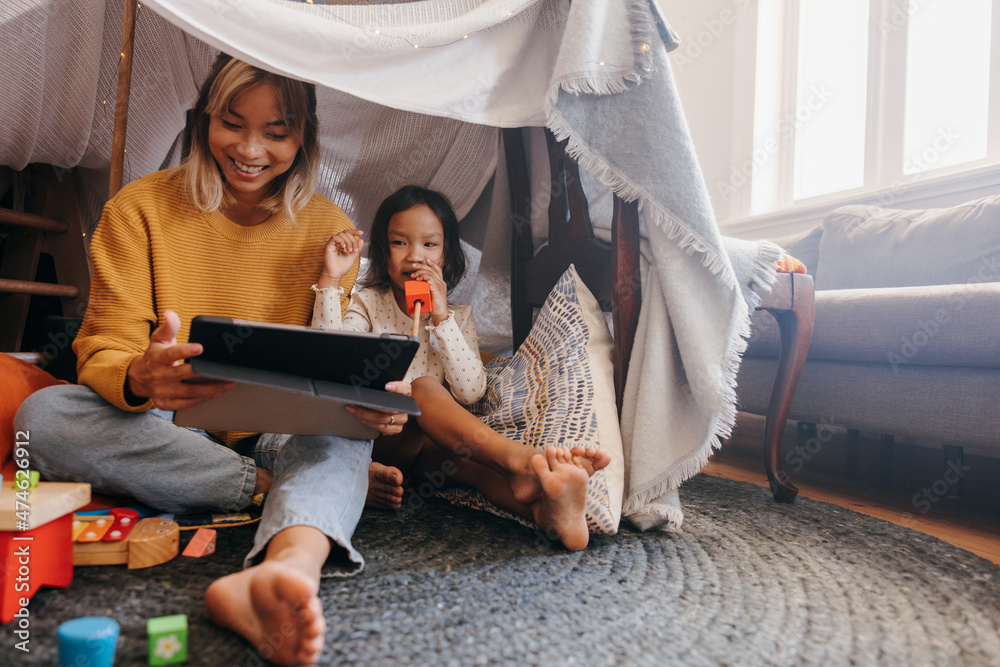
458 345
120 313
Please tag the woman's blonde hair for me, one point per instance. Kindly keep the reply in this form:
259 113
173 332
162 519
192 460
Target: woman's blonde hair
229 79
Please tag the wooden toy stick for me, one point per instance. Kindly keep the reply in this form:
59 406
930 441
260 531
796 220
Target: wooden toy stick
416 317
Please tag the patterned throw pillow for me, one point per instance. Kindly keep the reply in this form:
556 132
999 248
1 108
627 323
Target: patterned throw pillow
558 391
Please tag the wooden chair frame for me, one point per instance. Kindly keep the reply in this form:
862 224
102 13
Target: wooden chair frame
571 240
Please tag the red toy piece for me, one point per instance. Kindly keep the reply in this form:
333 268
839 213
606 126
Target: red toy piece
202 544
125 520
418 290
36 529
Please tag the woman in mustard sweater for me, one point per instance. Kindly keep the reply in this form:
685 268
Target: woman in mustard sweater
237 230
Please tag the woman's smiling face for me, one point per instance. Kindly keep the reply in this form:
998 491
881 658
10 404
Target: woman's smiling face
252 144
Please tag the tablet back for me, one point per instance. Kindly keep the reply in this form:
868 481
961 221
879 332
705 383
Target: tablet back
343 357
295 380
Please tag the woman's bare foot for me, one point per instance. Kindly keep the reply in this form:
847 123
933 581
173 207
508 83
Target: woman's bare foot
275 607
564 497
385 487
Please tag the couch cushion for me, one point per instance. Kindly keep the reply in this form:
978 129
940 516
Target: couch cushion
940 325
804 247
868 246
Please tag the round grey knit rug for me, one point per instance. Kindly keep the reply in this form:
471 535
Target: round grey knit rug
747 582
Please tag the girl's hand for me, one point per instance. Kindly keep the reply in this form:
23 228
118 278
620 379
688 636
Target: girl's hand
338 257
431 273
159 373
386 423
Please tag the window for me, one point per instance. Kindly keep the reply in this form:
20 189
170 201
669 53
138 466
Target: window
861 96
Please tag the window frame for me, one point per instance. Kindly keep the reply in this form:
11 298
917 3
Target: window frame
884 182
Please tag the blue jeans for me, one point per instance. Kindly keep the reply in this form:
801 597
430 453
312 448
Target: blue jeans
74 435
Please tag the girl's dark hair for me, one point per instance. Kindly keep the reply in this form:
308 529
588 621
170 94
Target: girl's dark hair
401 200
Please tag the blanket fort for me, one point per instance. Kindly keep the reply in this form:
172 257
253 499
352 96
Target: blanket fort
415 92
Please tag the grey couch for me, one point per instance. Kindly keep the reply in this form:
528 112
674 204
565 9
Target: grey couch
907 330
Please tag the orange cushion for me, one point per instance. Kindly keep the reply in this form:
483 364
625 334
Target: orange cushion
18 380
788 264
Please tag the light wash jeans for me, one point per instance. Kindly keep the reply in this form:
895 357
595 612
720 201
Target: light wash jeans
74 435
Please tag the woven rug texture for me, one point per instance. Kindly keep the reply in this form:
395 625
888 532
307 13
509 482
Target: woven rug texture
747 582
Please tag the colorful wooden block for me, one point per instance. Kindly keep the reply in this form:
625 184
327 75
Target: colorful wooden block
96 529
33 478
124 521
167 639
90 640
36 525
202 544
151 542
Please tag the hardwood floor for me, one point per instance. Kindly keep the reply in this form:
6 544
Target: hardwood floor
973 526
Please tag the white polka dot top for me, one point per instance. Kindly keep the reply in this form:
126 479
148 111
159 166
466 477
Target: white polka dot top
451 354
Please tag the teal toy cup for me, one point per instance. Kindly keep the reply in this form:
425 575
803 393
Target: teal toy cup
90 641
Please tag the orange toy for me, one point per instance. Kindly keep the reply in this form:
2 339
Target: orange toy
202 544
36 528
418 293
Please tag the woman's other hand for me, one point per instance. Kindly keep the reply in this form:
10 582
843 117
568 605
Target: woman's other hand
339 255
161 374
386 423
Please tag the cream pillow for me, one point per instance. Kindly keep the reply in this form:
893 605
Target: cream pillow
558 391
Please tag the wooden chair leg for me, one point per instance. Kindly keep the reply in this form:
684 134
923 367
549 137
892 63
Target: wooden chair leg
796 326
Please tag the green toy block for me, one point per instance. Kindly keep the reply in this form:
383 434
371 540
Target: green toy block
33 477
167 639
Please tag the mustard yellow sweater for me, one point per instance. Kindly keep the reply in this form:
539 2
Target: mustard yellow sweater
154 251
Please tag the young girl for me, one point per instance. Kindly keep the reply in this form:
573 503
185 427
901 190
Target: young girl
415 236
234 231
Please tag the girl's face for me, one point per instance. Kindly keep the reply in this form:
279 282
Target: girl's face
414 235
252 144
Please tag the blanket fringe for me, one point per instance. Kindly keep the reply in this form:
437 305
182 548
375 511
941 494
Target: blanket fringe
641 503
643 32
764 274
675 229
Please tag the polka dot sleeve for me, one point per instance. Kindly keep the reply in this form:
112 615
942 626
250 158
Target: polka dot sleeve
457 342
326 307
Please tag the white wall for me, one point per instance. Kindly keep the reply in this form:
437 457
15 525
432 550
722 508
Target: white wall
705 68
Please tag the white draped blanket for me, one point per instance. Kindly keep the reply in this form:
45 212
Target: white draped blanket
414 92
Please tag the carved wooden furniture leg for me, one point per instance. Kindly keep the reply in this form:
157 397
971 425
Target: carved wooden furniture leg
627 289
792 303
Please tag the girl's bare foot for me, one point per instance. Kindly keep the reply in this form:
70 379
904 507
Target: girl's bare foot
590 459
525 484
385 487
564 497
275 607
